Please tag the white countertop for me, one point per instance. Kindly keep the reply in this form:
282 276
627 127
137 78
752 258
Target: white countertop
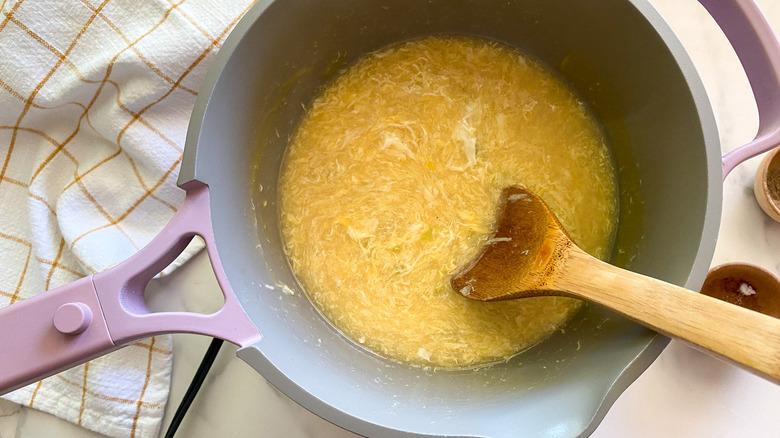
685 393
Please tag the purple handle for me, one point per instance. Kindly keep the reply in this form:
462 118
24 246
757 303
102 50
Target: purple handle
759 52
41 336
121 288
95 315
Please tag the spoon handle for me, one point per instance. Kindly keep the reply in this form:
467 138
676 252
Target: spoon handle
745 337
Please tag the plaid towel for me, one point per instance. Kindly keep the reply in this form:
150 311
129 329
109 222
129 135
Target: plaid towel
95 98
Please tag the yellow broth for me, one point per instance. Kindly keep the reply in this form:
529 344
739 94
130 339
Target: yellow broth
391 185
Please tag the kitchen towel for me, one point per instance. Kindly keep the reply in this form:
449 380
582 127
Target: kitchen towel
95 98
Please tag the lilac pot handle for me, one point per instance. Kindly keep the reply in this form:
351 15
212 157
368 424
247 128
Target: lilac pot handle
759 52
90 317
121 288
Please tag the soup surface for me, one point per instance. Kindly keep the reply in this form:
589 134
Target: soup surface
391 185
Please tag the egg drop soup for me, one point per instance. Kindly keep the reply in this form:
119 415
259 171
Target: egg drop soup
391 185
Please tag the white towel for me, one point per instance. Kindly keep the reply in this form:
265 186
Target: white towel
95 98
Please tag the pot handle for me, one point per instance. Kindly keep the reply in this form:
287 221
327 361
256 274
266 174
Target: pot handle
95 315
758 50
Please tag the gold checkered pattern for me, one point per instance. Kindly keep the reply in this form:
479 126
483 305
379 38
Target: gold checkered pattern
95 97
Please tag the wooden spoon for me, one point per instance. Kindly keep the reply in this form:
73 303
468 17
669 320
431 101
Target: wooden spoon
532 255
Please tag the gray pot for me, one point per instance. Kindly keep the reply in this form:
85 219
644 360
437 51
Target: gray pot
622 58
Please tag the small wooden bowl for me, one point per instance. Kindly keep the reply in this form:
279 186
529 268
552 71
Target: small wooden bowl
745 285
766 185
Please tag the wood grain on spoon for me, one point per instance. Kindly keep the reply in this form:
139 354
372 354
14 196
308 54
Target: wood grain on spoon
532 255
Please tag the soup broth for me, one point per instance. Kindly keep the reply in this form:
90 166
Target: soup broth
392 181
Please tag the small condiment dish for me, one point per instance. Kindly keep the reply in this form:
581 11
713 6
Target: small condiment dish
745 285
766 185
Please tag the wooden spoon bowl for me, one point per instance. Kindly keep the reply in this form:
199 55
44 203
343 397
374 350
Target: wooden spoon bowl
532 255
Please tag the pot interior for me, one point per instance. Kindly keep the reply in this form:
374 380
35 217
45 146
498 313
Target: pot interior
625 63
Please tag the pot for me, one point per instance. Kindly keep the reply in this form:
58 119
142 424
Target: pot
625 62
